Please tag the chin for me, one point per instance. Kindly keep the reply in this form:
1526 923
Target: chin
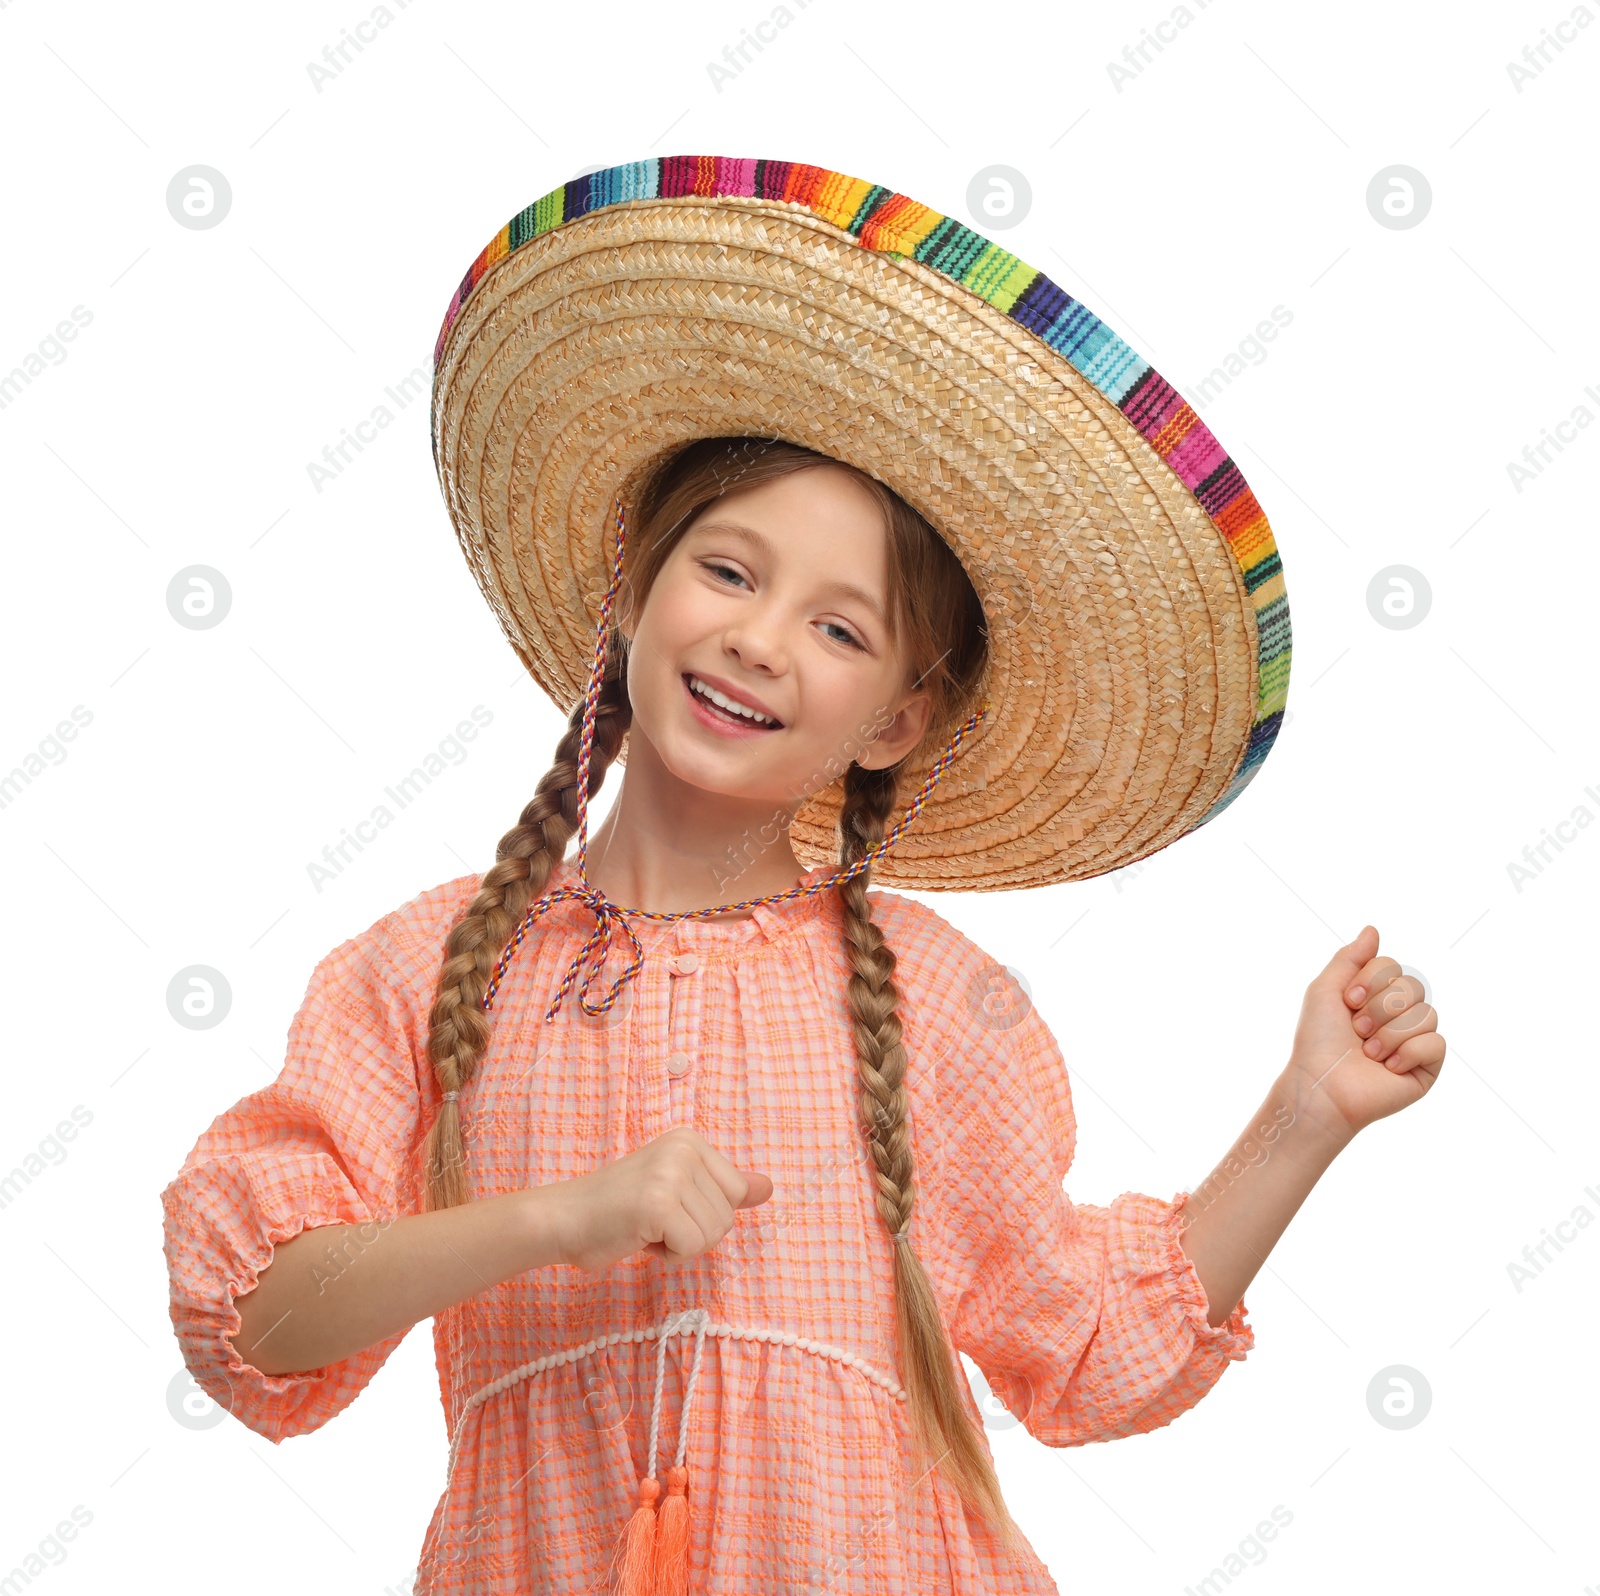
702 773
695 767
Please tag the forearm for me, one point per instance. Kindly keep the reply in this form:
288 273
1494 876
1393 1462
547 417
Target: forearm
1234 1218
334 1290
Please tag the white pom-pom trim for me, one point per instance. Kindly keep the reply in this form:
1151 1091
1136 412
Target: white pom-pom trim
786 1338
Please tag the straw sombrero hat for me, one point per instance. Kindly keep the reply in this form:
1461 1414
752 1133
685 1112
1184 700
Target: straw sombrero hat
1139 628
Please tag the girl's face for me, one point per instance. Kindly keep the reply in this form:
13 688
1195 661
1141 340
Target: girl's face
774 596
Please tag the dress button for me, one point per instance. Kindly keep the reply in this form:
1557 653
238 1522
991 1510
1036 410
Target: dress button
685 963
678 1064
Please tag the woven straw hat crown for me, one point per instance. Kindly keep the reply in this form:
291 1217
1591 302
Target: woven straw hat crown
1137 619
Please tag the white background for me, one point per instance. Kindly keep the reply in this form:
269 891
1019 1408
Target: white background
1226 177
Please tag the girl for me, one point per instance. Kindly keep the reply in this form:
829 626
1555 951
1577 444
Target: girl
702 1194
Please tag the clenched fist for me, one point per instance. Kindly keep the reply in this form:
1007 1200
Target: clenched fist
674 1197
1367 1044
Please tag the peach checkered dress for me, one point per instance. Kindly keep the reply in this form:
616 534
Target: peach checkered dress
1088 1322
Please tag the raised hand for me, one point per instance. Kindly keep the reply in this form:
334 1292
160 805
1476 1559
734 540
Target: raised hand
1367 1044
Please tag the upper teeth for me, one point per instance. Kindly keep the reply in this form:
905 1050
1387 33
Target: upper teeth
732 705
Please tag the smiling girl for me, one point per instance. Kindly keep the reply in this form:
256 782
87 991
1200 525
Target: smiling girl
702 1231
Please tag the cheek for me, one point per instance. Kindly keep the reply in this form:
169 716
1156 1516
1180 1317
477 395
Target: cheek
680 622
840 713
679 611
654 627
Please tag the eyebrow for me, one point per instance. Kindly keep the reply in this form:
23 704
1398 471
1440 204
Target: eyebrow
764 543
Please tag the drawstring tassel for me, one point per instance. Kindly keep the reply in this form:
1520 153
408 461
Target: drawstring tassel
672 1537
637 1575
654 1555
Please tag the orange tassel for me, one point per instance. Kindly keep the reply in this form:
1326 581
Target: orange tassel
638 1544
672 1537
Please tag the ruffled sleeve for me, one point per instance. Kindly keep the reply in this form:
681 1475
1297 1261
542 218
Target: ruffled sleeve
327 1143
1088 1322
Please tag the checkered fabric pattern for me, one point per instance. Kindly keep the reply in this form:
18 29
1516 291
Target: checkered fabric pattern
1088 1322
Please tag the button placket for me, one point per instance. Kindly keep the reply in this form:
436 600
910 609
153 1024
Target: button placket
681 1014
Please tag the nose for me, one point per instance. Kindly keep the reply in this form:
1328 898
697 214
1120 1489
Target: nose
757 641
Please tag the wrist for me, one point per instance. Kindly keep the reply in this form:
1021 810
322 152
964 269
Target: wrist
1314 1116
547 1224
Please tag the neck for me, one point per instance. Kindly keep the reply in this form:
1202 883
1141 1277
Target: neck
666 847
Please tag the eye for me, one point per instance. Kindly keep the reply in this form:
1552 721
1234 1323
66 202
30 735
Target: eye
717 565
849 637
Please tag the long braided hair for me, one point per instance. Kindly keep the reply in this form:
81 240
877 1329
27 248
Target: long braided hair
937 620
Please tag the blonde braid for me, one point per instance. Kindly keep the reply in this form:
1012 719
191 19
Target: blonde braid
927 1361
458 1028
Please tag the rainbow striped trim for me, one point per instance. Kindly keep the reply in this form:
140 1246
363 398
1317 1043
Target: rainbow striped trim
879 219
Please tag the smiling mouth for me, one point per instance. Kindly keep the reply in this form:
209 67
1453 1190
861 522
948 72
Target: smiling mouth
726 717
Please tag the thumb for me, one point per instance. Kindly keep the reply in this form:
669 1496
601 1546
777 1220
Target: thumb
760 1190
1344 966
